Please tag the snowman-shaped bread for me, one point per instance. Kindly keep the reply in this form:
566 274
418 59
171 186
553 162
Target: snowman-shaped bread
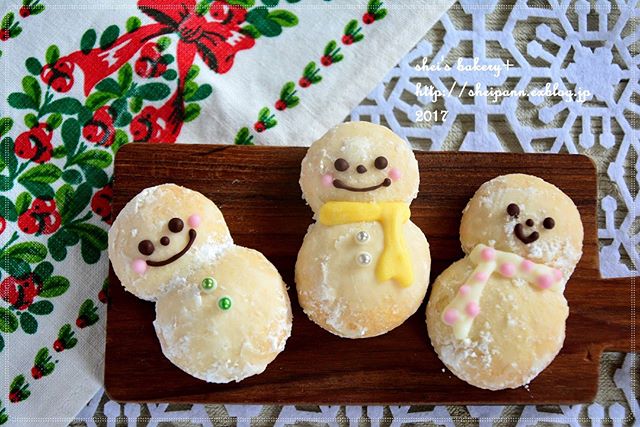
497 317
222 311
363 268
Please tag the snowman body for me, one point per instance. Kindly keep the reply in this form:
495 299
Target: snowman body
231 331
345 295
518 331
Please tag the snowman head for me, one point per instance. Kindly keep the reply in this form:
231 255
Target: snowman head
160 235
525 215
359 162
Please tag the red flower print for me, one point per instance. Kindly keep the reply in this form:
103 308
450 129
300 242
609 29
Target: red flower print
59 75
326 60
145 127
259 126
41 218
36 372
216 41
5 34
101 203
20 293
3 225
103 297
150 62
43 205
28 223
159 125
100 129
368 18
25 11
222 11
35 144
304 82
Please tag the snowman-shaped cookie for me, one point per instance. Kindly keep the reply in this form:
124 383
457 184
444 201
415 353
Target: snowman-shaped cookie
497 317
222 311
363 267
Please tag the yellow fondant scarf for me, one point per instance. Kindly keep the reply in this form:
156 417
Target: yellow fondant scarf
395 262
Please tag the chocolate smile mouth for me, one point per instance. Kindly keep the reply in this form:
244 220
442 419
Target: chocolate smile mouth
519 232
339 184
192 238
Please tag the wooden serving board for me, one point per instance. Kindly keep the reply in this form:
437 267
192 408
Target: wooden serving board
257 190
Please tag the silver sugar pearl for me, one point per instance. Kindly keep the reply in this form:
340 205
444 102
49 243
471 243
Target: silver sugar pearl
364 258
362 237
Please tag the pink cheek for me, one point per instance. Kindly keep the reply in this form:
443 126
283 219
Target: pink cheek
139 266
194 221
395 174
327 180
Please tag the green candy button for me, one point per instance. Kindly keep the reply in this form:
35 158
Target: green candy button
224 303
209 284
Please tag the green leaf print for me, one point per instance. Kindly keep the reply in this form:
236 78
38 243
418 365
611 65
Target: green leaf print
109 85
52 55
41 308
31 87
70 135
88 40
125 77
43 271
7 209
21 101
58 243
28 323
30 252
54 286
284 18
109 36
33 66
22 202
68 106
8 321
152 91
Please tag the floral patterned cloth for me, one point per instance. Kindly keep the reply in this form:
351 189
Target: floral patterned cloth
79 81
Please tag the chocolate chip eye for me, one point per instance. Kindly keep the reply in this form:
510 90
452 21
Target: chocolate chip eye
176 225
513 210
146 247
341 165
381 162
529 222
548 223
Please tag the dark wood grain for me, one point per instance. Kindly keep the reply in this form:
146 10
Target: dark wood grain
257 190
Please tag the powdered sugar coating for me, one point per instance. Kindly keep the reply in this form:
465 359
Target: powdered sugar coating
520 324
341 295
195 334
